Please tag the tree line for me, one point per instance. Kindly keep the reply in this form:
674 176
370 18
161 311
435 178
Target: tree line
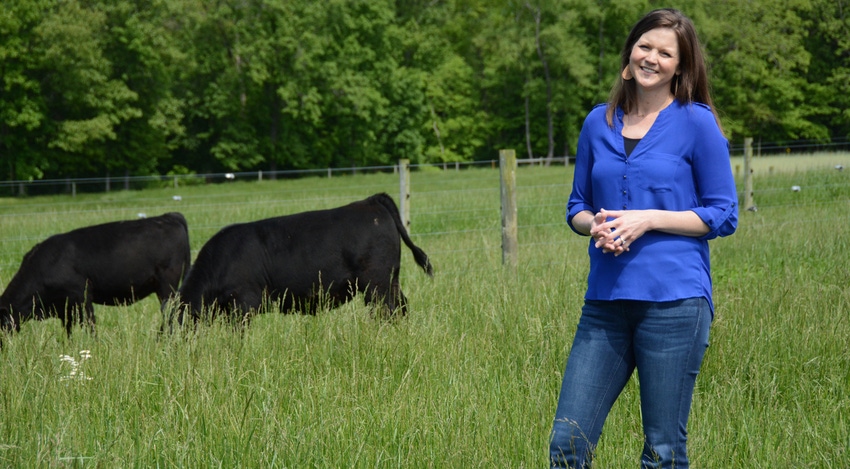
138 87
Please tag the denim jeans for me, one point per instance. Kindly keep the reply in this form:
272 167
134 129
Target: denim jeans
666 342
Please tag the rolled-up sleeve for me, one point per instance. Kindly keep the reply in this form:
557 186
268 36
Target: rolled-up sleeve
582 190
718 197
681 164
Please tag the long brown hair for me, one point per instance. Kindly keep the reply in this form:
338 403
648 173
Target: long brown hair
691 85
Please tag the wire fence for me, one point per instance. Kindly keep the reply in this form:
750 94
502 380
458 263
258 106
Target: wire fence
796 147
438 212
110 183
64 186
128 182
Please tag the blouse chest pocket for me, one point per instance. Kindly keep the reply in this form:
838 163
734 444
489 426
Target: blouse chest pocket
656 172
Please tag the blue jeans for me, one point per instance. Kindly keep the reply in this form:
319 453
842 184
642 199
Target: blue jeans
666 343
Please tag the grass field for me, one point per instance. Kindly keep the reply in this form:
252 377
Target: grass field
786 164
470 377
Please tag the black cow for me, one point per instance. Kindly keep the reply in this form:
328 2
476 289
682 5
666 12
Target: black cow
110 264
301 262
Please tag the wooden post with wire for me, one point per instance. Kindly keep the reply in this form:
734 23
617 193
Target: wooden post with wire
507 170
748 175
404 192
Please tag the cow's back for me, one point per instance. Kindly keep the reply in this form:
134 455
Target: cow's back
133 258
358 241
112 262
291 257
234 252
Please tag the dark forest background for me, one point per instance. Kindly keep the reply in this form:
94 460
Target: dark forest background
140 87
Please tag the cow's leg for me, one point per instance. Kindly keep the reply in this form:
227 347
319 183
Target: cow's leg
193 312
396 299
386 300
245 306
166 311
166 293
399 300
67 317
375 296
169 309
249 300
87 309
73 313
89 317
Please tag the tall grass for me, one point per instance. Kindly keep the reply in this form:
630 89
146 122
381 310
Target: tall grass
469 378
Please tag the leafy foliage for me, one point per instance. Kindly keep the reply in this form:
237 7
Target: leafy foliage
139 87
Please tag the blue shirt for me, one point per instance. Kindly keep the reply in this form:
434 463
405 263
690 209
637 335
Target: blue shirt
682 163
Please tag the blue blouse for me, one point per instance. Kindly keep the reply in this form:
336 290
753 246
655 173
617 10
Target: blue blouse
682 163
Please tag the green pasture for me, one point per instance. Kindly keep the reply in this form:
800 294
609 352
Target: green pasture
470 377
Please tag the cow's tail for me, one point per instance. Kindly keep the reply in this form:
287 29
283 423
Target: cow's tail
418 254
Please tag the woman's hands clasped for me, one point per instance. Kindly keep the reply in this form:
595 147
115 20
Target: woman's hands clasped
616 230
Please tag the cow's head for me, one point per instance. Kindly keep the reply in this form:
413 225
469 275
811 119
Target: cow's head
9 321
7 324
15 307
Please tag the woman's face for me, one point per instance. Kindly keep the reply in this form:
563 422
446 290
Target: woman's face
655 59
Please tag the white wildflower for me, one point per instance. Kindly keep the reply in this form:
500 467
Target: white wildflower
75 372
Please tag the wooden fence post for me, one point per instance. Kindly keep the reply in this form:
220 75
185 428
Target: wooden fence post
404 192
507 170
748 173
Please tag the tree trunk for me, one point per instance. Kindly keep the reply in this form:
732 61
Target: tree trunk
528 125
550 126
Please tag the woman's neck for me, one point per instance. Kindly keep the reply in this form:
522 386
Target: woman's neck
638 122
649 104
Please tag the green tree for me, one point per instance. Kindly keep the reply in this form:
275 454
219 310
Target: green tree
359 63
436 48
22 107
282 61
829 71
142 86
85 103
141 46
539 73
215 88
296 84
760 72
567 68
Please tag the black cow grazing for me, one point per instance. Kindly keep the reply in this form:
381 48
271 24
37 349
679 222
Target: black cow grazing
301 262
109 264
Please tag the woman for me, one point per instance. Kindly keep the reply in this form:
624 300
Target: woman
652 185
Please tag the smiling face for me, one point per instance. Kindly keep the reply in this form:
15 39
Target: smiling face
654 60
